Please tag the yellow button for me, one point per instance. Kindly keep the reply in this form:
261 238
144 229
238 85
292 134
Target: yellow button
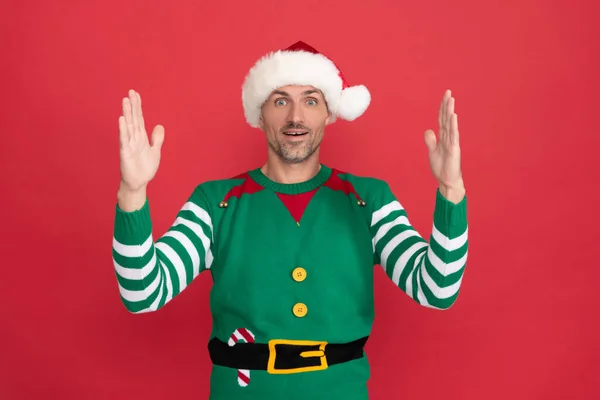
299 274
300 310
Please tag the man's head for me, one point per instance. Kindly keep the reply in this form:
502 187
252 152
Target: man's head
301 65
294 118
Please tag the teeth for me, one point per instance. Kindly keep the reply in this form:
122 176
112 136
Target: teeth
295 133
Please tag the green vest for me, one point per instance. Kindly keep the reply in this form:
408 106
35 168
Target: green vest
291 262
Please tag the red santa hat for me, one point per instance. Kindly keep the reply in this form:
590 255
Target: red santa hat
300 64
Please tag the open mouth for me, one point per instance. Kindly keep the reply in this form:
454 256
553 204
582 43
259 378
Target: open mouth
295 133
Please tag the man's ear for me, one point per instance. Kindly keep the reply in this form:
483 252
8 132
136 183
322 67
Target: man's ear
261 123
328 119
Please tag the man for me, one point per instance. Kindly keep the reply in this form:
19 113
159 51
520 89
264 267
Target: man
290 245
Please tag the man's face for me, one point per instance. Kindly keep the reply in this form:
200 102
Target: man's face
293 119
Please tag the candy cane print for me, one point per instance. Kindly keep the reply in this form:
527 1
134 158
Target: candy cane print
243 335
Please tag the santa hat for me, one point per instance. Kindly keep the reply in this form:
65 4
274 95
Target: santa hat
300 64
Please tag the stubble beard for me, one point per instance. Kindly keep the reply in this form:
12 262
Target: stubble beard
294 153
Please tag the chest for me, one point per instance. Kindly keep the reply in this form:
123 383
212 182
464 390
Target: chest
268 235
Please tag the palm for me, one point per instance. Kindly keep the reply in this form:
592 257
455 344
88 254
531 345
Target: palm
139 158
444 151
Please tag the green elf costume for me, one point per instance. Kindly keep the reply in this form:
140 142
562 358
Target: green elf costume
292 264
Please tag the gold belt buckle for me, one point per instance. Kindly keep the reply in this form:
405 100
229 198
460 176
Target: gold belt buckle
320 353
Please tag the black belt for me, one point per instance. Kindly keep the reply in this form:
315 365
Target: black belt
284 356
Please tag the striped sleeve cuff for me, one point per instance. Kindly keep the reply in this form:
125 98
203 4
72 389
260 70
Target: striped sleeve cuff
133 227
450 218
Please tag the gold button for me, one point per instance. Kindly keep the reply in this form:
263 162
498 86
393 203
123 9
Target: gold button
299 274
300 310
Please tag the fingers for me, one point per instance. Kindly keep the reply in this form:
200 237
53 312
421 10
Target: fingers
430 140
449 112
123 132
443 118
132 114
448 120
158 137
442 110
454 130
128 117
141 114
135 105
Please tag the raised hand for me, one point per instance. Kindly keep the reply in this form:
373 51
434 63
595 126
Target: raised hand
139 158
444 151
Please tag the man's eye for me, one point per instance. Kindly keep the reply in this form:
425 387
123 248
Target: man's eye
280 102
312 102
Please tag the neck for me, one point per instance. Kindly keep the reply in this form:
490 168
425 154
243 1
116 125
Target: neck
279 171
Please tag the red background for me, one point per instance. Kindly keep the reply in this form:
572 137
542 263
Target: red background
525 80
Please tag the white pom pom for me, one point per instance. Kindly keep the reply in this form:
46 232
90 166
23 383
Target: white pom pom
354 102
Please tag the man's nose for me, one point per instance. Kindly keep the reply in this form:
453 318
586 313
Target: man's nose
296 114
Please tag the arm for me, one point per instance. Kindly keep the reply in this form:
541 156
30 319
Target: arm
151 273
429 272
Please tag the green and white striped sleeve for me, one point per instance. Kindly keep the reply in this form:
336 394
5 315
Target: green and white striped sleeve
151 273
430 272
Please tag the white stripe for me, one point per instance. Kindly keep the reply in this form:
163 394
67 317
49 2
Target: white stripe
200 213
132 250
420 294
246 373
409 284
385 228
175 260
136 273
440 292
395 242
403 260
418 260
385 211
442 267
165 271
189 247
154 306
140 295
197 229
209 259
447 243
239 336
